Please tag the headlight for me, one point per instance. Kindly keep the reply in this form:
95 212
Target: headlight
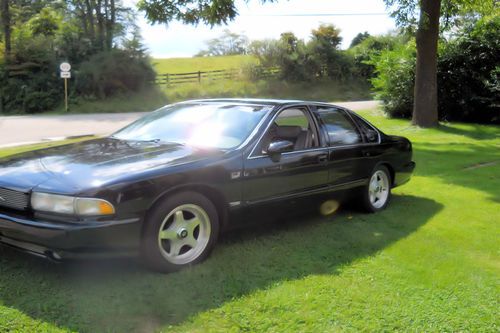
63 204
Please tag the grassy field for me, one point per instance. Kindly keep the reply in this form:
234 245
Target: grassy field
430 262
186 65
325 90
318 91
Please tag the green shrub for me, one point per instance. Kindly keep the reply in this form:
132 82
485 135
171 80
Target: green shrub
469 75
30 82
369 46
113 72
394 80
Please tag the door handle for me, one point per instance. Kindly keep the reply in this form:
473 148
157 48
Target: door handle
323 158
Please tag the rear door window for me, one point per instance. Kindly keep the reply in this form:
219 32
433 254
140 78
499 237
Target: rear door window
339 127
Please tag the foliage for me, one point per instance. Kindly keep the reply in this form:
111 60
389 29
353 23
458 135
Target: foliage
301 61
394 80
370 46
111 72
428 263
44 33
359 38
405 11
29 80
468 76
229 43
188 11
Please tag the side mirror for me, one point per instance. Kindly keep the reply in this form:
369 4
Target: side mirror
371 135
279 146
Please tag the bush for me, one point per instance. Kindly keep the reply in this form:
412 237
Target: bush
468 76
113 72
394 80
30 82
362 52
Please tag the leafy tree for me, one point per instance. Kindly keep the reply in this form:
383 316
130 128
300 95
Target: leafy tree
6 26
229 43
425 107
364 52
323 48
45 23
359 38
210 12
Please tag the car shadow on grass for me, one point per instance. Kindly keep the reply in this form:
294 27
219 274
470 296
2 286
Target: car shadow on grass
121 296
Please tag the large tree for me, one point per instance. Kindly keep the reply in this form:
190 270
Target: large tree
430 14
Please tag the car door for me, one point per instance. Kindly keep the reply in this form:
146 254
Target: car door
345 158
298 172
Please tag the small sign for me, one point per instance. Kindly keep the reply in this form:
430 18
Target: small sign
66 75
65 67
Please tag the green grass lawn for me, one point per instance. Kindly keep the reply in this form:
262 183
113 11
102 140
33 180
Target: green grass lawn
240 88
194 64
430 262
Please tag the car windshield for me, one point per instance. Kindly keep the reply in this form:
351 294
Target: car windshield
211 125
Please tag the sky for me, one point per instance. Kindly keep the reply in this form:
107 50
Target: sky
260 21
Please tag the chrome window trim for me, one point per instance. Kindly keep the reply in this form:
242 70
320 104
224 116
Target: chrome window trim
255 130
250 156
367 123
289 153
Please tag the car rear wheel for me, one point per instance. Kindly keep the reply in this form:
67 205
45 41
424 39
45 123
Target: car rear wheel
377 193
179 232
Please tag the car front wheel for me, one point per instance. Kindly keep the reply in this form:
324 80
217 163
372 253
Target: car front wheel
180 231
377 193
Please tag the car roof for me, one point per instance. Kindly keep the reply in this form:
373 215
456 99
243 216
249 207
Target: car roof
259 101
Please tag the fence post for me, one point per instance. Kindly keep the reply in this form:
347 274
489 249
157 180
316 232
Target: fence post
199 76
168 79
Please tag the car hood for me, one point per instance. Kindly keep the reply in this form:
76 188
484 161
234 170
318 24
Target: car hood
90 164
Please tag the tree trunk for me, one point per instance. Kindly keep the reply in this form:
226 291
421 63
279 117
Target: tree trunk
6 28
425 105
90 18
100 26
111 24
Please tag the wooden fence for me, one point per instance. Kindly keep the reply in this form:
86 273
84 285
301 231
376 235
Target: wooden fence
171 79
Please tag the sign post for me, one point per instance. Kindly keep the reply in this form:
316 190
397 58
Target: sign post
65 74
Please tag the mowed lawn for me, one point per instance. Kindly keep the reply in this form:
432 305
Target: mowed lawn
194 64
430 262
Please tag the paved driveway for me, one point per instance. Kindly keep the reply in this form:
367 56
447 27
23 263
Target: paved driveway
19 130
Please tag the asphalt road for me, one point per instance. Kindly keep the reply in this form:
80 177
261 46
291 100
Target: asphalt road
20 130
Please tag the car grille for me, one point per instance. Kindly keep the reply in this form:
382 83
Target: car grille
13 199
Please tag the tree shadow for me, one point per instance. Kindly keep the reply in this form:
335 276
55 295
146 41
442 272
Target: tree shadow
467 165
122 296
473 131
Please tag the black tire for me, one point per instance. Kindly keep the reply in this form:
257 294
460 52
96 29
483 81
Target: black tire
366 203
154 251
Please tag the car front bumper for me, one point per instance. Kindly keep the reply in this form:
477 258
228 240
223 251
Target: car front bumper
59 241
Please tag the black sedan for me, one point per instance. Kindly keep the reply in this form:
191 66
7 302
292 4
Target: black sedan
169 183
